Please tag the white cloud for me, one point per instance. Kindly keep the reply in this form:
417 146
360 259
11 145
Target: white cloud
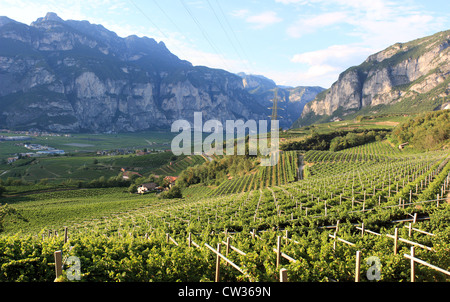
322 76
376 22
309 25
264 19
324 65
380 34
260 20
335 55
240 13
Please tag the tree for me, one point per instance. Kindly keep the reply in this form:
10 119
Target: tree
174 192
2 190
132 188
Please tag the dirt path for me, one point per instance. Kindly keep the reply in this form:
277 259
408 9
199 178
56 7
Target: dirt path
387 123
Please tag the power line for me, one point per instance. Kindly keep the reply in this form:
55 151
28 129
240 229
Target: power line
176 27
155 25
167 16
233 32
148 18
203 32
226 33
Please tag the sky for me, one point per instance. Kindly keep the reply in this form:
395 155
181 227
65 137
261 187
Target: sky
293 42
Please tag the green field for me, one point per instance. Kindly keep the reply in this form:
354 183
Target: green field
82 162
92 142
62 168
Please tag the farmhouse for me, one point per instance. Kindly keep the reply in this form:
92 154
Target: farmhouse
128 174
170 180
147 187
12 159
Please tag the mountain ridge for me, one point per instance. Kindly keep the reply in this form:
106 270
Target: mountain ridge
74 76
404 78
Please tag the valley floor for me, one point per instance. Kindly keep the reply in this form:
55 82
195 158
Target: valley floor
365 207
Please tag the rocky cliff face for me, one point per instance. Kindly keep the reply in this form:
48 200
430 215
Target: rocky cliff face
71 76
403 78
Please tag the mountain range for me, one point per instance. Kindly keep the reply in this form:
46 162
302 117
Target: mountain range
74 76
405 78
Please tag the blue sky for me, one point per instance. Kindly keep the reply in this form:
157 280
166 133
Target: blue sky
293 42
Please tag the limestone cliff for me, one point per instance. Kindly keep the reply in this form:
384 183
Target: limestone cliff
403 78
72 76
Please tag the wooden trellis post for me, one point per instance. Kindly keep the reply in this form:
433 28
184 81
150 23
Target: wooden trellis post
395 241
227 249
413 268
358 266
278 250
334 242
283 275
65 235
58 264
218 264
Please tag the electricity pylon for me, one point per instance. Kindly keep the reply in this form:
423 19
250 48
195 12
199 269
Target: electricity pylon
274 115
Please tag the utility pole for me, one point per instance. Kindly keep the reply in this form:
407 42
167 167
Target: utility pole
274 115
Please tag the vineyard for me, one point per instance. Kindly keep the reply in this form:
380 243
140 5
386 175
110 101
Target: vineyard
368 213
175 167
282 173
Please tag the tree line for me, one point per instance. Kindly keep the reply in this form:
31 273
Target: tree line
336 140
